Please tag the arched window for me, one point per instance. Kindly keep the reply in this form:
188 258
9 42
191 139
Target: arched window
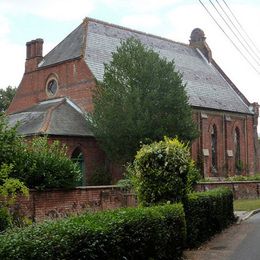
214 149
77 157
238 164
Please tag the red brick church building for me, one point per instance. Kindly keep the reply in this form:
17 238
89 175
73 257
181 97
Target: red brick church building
56 91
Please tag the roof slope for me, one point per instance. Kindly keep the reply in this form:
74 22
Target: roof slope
52 117
69 48
206 86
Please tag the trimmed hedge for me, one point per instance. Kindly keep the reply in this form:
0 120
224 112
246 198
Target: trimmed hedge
207 213
134 233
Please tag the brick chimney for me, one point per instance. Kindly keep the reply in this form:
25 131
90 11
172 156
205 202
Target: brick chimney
33 54
198 40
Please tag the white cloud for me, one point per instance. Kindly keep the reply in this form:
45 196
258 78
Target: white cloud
4 28
12 68
184 19
142 22
61 10
137 6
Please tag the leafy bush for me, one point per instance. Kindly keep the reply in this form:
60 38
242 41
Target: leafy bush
5 219
46 165
133 233
161 172
207 213
100 176
9 188
38 164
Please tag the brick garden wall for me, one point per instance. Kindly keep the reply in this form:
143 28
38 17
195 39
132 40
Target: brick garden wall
241 189
60 203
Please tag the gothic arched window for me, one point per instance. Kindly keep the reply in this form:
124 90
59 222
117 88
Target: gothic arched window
214 149
238 164
77 157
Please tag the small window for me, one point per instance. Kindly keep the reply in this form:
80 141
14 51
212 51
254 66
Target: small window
238 162
52 87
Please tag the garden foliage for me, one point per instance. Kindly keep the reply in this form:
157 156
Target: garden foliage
134 233
9 189
163 171
38 163
207 213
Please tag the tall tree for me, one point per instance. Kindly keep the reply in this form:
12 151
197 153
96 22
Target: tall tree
142 98
6 97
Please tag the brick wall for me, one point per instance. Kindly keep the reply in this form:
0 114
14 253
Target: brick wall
75 81
241 189
60 203
225 124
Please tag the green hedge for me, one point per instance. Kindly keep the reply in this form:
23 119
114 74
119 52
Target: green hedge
207 213
134 233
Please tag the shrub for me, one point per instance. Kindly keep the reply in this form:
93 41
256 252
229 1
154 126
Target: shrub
5 219
161 171
9 188
38 163
133 233
207 213
44 165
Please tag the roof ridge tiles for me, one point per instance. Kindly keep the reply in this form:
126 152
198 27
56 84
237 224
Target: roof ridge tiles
47 118
134 31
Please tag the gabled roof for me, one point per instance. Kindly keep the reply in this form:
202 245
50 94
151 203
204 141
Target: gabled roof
207 86
52 117
70 48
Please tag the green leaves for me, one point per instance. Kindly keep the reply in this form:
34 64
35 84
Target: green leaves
6 96
207 213
141 98
131 233
163 171
38 163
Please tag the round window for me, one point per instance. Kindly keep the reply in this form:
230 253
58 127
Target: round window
52 87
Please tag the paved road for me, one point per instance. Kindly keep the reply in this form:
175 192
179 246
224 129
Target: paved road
239 242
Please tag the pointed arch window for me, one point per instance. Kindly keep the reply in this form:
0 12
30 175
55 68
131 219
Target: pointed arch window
214 149
77 157
238 163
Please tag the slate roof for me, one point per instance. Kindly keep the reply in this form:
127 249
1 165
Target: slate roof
52 117
206 86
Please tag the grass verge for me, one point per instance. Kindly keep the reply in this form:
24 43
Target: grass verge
246 205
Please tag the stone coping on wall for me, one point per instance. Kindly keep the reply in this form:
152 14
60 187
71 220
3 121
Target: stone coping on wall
226 182
79 188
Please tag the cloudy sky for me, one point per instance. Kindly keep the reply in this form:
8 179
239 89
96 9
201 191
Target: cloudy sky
52 20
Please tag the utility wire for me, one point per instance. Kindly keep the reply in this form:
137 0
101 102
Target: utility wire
241 26
249 62
250 54
238 31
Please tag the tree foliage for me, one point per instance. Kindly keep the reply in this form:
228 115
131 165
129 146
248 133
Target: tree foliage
6 97
141 99
37 163
9 189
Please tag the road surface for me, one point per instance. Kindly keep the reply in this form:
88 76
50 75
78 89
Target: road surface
239 242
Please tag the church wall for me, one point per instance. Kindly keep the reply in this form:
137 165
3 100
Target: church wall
225 123
74 81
